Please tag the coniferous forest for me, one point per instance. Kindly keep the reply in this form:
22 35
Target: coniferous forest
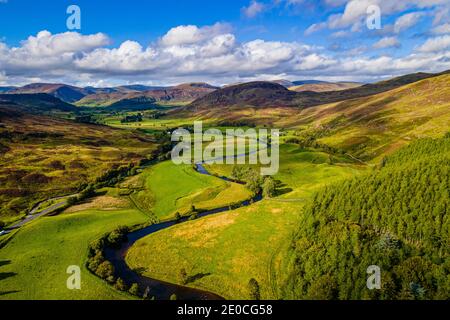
396 217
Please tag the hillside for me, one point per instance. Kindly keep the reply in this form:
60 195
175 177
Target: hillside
269 94
396 218
325 86
41 157
38 102
262 94
63 92
370 127
181 94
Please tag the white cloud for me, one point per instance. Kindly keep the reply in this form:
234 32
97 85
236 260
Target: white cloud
407 21
210 53
191 34
355 12
442 29
387 42
436 44
254 9
315 28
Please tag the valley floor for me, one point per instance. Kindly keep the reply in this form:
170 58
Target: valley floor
220 253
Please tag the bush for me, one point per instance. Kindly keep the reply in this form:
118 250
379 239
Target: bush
121 285
253 288
118 236
134 289
105 271
269 187
183 276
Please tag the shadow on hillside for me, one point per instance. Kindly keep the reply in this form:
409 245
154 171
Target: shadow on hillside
282 189
6 275
196 277
8 292
5 263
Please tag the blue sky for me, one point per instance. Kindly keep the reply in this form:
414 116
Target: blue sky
173 41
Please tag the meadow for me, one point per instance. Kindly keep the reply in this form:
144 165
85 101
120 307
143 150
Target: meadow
33 264
166 189
221 253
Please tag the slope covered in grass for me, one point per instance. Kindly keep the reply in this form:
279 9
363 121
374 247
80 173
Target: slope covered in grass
33 265
396 218
371 127
167 188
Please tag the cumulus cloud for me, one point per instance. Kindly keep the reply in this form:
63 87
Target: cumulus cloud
192 34
254 9
436 44
355 11
387 42
407 21
442 29
192 53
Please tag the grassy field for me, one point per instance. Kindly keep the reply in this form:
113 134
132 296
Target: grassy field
33 265
222 253
168 188
302 171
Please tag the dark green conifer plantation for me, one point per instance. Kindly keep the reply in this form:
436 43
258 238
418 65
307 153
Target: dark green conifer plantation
396 217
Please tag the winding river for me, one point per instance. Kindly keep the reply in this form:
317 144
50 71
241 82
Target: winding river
162 290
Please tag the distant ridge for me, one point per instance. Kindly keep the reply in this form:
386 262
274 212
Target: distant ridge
38 102
269 94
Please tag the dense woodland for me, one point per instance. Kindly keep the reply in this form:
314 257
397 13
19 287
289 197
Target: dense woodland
396 217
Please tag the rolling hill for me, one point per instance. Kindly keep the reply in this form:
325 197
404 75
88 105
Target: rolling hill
38 102
269 94
181 94
42 156
373 126
325 86
63 92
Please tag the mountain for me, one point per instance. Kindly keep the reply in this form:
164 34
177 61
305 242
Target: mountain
269 94
261 94
284 83
63 92
371 127
6 89
180 94
325 86
302 82
39 102
136 88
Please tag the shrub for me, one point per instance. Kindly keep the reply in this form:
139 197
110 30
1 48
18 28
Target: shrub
183 276
269 187
121 285
134 289
105 271
253 288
